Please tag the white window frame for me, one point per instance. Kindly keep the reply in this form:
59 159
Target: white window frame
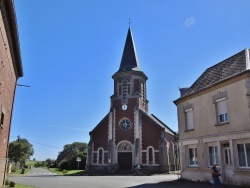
215 159
245 155
98 151
195 151
153 155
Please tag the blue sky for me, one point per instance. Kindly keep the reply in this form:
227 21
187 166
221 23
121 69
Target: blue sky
70 50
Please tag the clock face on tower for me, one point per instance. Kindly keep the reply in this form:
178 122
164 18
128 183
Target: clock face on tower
125 124
124 107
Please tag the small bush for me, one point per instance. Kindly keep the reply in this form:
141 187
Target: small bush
7 182
13 169
65 171
12 184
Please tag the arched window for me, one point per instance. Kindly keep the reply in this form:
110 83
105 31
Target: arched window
143 92
100 156
124 146
150 157
124 89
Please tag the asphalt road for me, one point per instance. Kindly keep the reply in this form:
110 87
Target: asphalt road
41 178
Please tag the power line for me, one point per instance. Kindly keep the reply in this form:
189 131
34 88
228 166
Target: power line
41 143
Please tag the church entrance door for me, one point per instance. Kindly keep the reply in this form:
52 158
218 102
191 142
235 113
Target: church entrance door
124 155
125 160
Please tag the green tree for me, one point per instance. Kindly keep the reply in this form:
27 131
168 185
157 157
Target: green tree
20 150
67 158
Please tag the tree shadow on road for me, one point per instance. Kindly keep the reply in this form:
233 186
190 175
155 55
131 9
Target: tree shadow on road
176 184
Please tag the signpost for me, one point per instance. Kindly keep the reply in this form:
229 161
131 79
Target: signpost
78 159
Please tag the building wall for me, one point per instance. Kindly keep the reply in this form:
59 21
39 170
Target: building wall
100 136
151 134
207 132
7 88
121 135
205 114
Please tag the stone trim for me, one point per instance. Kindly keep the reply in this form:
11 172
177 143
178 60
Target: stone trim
188 106
218 96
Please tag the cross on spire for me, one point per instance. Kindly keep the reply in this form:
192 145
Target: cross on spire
129 22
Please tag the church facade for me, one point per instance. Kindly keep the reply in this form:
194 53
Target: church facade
128 135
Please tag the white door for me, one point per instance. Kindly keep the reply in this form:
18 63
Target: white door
228 173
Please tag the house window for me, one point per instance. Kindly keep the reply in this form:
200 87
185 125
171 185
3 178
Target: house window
189 119
100 156
213 155
150 155
221 108
193 160
244 154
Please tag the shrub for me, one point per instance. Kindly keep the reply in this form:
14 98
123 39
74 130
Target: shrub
7 182
12 184
14 169
65 171
26 166
63 165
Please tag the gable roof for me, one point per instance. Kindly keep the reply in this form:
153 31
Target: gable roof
99 124
158 122
220 72
129 59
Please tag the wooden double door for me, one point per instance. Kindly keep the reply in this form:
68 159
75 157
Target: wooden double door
125 160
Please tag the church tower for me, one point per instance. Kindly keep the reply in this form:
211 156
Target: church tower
128 134
129 80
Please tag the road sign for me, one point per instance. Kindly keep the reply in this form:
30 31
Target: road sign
78 159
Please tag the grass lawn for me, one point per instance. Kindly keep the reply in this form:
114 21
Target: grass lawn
69 172
19 171
22 186
31 163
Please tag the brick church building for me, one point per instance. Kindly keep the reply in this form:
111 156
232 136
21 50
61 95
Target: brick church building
128 134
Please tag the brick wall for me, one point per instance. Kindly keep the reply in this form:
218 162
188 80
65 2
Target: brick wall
120 114
151 133
100 135
7 87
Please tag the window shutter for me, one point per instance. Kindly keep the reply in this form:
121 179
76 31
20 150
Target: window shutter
190 119
222 107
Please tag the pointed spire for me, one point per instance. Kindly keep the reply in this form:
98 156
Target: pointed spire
129 57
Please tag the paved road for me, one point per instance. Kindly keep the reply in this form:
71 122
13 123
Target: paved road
39 172
41 178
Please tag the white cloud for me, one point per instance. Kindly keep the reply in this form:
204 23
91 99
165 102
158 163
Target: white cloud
189 22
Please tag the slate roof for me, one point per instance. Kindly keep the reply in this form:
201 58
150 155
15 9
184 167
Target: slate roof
129 59
222 71
158 122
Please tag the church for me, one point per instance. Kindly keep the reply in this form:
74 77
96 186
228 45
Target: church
128 135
